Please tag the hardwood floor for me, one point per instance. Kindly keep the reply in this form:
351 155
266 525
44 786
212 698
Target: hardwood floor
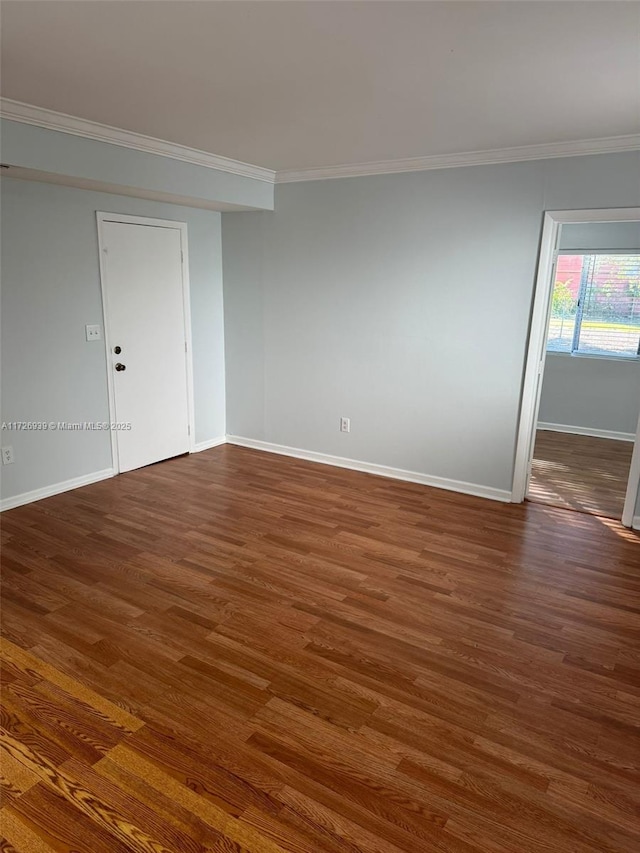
580 472
235 651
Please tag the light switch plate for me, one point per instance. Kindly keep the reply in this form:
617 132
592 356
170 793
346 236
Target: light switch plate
94 333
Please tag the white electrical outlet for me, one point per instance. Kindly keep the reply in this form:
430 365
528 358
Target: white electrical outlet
94 333
7 455
345 425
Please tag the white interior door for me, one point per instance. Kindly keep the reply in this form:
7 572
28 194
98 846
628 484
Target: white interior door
146 339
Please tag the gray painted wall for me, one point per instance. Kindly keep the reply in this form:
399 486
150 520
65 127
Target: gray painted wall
592 393
59 153
402 302
50 290
606 236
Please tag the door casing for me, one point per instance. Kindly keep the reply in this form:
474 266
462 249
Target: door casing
125 219
537 349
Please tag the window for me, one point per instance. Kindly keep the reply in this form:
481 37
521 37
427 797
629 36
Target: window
595 307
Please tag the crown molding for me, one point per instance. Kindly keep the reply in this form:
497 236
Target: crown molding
40 117
607 145
52 120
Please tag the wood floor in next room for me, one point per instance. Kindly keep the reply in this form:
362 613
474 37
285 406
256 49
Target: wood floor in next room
236 651
580 472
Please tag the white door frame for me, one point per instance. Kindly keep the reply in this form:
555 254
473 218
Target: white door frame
186 302
537 348
632 484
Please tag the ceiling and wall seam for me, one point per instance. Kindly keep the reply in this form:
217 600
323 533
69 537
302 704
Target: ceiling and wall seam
75 126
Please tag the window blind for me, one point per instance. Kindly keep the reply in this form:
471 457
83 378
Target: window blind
596 305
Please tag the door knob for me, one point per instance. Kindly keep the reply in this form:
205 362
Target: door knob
120 367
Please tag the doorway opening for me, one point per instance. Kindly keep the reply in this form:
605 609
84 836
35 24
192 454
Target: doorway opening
578 436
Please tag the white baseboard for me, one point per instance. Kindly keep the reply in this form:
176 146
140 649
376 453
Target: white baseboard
371 468
76 482
635 524
596 433
199 446
55 489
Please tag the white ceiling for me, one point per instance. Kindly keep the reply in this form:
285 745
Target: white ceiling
295 85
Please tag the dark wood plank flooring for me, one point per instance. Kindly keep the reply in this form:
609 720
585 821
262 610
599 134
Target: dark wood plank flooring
580 472
236 651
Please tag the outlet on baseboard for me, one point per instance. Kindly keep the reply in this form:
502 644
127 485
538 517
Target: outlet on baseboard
7 455
345 424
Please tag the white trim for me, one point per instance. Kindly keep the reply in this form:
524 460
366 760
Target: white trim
636 522
101 218
55 489
107 347
577 148
536 355
630 359
199 446
591 250
595 433
186 310
537 348
633 485
63 123
371 468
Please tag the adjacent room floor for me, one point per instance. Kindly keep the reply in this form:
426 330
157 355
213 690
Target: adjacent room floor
580 472
240 651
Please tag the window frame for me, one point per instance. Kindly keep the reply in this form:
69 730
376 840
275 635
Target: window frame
574 352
